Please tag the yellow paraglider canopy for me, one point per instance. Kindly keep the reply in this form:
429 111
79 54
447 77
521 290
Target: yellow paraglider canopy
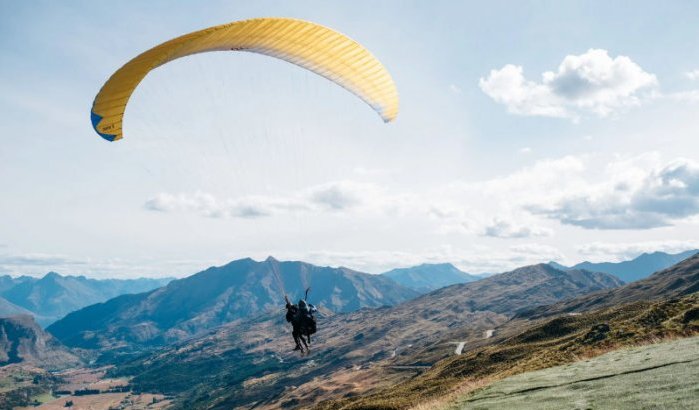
309 45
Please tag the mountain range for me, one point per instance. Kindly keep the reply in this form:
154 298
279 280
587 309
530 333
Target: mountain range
239 290
53 296
224 328
250 363
430 276
635 269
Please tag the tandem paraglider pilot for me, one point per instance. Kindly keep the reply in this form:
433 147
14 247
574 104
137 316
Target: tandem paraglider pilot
303 322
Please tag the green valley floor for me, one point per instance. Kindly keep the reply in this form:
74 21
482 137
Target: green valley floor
659 376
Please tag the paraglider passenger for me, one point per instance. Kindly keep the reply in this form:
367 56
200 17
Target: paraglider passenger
302 321
292 313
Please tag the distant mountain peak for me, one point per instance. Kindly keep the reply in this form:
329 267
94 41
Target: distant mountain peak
427 277
635 269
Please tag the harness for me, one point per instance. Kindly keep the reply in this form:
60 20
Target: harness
301 315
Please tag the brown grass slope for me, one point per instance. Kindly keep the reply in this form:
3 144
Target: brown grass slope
661 306
552 342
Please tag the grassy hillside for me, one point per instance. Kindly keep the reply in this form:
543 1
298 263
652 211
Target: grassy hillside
25 385
524 346
662 375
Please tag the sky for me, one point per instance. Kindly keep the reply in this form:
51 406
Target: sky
528 131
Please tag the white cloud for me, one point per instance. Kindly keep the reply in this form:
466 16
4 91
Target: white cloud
619 251
509 87
633 196
500 228
338 196
472 221
590 83
341 195
494 207
18 264
38 260
476 259
210 206
525 150
535 181
455 89
373 172
692 75
685 96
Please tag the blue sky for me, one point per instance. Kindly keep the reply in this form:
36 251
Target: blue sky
528 131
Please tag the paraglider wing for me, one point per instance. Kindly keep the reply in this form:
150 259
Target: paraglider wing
311 46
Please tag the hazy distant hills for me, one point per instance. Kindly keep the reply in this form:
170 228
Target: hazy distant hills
23 341
428 277
635 269
219 295
53 296
220 362
8 308
8 282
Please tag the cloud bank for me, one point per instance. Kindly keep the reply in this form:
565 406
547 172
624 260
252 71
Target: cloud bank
634 193
633 197
335 196
36 264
